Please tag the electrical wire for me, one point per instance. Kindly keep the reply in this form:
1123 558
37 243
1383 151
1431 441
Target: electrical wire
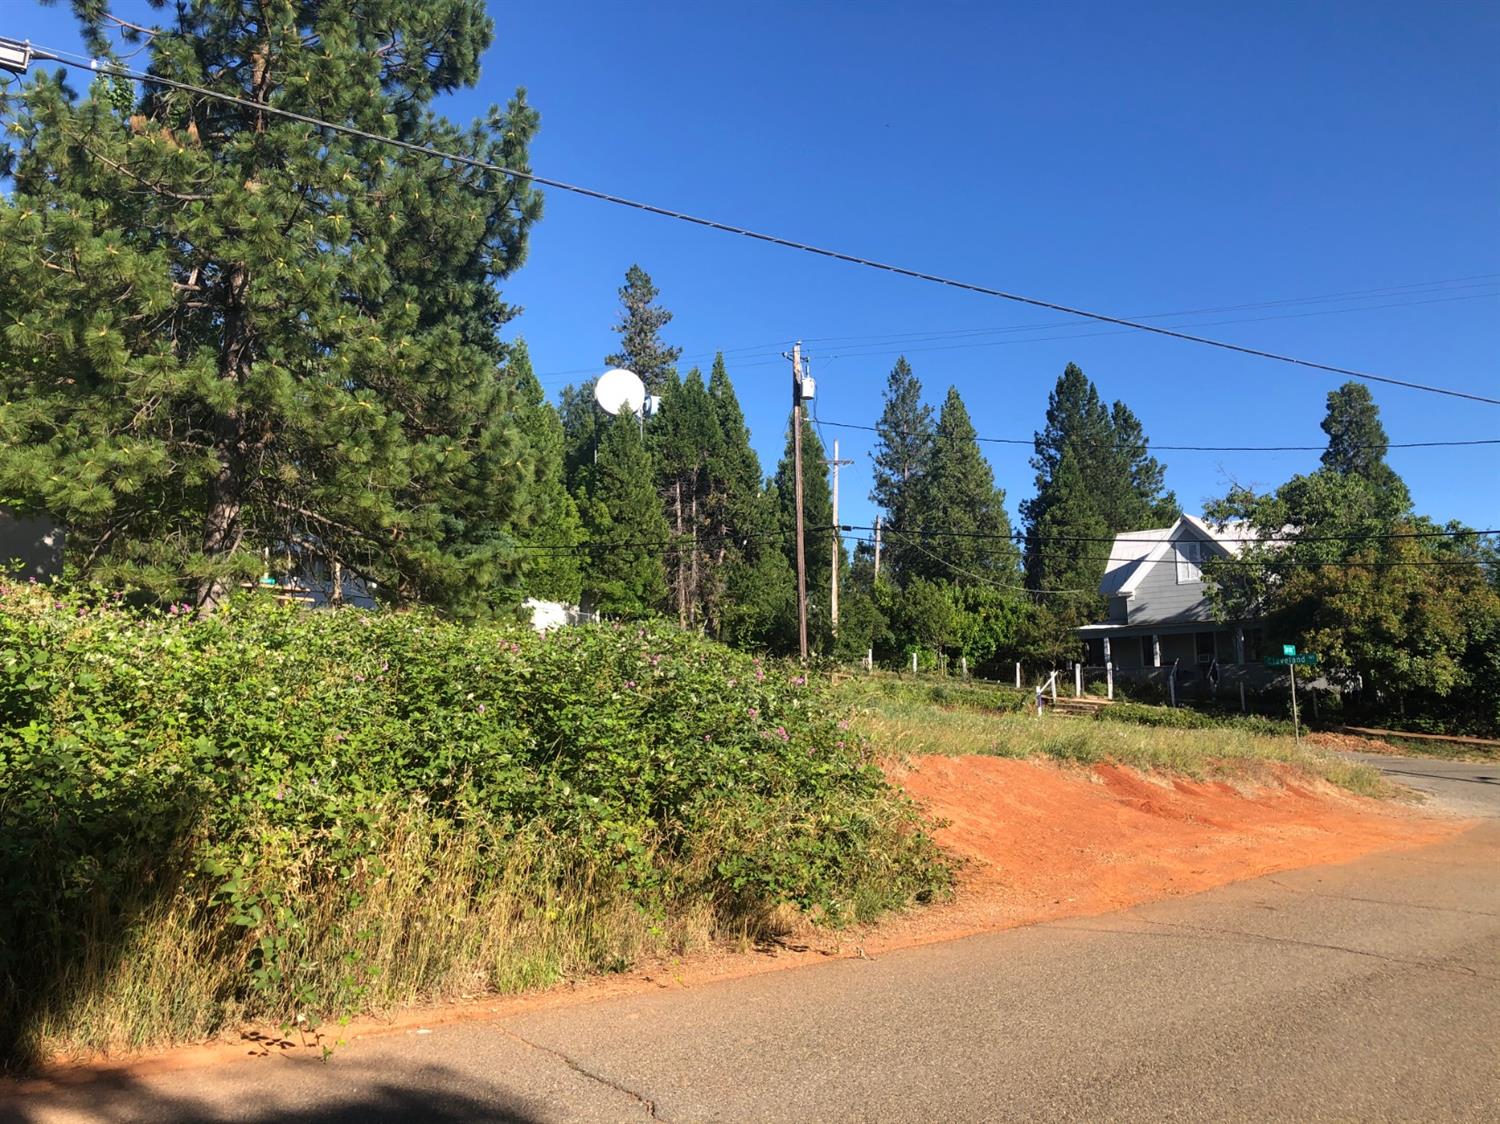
98 67
1151 446
1020 536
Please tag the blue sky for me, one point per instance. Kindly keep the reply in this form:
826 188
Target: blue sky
1134 159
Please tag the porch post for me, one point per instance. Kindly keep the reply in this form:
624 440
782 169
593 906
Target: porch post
1155 650
1239 644
1109 671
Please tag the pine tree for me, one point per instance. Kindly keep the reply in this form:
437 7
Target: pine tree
641 321
624 574
963 531
1357 444
684 441
552 566
1065 570
580 418
904 436
1095 478
741 523
268 337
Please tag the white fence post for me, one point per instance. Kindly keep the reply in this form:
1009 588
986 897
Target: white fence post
914 663
1078 680
1109 681
963 665
869 659
1018 675
1052 682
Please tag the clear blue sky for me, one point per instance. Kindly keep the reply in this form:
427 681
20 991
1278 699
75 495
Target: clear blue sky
1134 159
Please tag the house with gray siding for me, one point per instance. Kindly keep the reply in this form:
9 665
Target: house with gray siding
1160 620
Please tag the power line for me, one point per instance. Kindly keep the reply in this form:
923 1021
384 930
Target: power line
1020 536
1150 446
96 66
884 343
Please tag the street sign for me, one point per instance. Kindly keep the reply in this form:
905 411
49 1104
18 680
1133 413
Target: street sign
1306 659
1289 649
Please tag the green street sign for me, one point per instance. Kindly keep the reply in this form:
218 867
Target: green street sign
1306 659
1289 649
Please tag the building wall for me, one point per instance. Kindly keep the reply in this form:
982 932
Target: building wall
37 544
1162 598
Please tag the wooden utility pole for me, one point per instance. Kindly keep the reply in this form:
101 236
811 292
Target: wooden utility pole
833 610
797 497
877 548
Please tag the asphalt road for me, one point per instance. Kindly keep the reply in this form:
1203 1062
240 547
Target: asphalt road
1367 991
1461 787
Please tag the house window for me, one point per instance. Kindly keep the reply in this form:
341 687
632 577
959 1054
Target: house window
1203 646
1189 562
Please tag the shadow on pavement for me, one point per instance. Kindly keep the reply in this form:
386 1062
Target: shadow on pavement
308 1093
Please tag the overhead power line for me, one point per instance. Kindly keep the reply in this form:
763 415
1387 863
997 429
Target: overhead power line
1020 536
98 67
1152 446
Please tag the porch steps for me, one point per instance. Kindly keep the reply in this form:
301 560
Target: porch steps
1067 706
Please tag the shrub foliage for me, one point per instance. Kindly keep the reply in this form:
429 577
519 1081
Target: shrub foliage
258 778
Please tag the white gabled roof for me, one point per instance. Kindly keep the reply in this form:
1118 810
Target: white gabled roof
1135 552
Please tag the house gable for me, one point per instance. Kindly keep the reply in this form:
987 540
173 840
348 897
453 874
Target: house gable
1166 585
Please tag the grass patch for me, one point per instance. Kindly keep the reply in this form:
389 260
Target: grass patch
895 723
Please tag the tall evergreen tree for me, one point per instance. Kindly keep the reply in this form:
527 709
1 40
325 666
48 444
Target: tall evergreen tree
624 574
642 349
1095 477
1357 444
750 592
226 332
581 419
684 440
904 437
963 529
552 567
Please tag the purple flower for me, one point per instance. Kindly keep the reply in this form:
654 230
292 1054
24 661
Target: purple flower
782 734
480 708
753 712
340 737
706 739
843 723
800 681
630 684
759 675
358 678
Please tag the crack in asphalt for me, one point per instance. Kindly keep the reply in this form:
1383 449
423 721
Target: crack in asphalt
1437 966
577 1067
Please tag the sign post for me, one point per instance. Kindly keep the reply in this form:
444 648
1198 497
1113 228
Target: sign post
1291 660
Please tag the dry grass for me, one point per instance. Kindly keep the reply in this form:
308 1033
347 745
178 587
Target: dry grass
905 727
433 927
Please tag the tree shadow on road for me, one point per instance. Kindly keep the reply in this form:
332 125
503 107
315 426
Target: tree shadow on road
308 1093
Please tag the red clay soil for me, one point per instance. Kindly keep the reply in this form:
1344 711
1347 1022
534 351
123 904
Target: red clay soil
1039 842
1046 841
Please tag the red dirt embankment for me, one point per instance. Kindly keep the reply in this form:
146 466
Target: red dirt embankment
1045 841
1040 842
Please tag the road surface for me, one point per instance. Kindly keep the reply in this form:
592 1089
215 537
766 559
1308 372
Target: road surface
1366 991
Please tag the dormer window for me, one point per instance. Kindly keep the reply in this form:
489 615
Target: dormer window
1189 562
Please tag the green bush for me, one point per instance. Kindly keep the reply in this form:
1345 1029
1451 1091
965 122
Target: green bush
257 781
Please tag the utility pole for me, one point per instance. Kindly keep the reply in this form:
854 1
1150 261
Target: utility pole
797 497
833 608
877 548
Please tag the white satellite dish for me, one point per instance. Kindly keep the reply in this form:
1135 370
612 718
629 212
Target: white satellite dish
619 391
